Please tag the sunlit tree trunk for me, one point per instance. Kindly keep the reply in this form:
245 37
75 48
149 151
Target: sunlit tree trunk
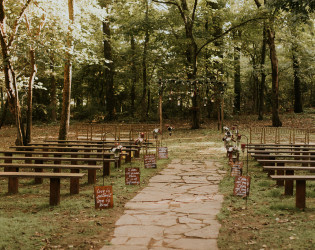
9 74
66 96
29 119
53 92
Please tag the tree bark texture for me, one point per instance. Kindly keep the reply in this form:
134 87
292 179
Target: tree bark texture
261 88
298 107
53 93
237 80
134 75
29 119
275 78
109 71
66 95
144 63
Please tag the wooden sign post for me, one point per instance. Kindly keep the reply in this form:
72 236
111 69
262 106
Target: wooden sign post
103 197
150 161
241 186
132 176
163 152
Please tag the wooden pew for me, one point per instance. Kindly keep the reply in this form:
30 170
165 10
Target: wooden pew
54 198
300 186
288 170
9 158
74 182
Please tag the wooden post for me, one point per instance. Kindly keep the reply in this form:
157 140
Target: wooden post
54 198
74 183
280 183
92 173
38 170
300 193
288 186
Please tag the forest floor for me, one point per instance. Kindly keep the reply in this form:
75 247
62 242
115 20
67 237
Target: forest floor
266 220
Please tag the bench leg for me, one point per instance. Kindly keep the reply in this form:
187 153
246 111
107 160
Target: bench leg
137 153
54 198
128 157
280 183
106 168
288 187
57 162
92 174
271 172
300 193
38 180
13 185
74 183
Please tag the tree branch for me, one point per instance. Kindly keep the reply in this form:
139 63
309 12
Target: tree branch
17 22
194 11
257 3
176 4
227 31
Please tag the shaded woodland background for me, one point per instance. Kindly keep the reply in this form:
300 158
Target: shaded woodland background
111 60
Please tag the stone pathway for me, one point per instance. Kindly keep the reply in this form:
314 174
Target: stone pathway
177 210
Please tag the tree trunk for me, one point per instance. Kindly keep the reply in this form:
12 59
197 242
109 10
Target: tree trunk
10 79
144 62
66 96
109 71
275 81
237 80
4 113
29 119
134 75
53 93
298 107
263 76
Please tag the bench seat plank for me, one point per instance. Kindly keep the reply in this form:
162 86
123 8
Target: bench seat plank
50 166
293 177
41 175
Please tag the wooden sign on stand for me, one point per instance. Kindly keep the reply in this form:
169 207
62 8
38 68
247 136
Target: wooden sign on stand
150 161
103 197
241 186
132 176
163 152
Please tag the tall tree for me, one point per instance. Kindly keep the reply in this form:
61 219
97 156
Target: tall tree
66 96
109 69
9 72
33 34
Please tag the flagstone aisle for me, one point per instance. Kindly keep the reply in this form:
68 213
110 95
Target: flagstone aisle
177 210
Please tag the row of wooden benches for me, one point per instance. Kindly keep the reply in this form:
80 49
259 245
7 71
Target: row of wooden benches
286 160
69 156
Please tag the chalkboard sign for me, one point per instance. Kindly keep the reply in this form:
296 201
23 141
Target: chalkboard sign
103 197
149 161
241 186
132 176
163 152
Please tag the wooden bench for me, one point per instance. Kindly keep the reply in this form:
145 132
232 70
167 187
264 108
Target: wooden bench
287 170
300 186
274 156
74 182
54 198
282 151
9 158
90 146
283 161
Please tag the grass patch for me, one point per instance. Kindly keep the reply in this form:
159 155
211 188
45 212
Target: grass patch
268 219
